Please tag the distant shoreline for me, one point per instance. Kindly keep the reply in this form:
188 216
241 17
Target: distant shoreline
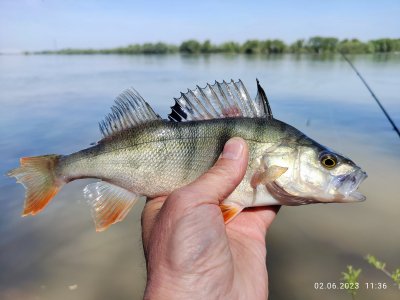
314 45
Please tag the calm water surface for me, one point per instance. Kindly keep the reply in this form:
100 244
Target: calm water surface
51 104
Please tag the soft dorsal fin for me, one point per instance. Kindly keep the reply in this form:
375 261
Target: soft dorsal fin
129 110
220 100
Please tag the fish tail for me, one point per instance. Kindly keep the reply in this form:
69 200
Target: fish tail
37 174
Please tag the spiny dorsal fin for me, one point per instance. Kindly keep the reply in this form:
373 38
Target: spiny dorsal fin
220 100
262 99
129 110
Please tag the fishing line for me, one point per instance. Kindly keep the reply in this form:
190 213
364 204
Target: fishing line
372 94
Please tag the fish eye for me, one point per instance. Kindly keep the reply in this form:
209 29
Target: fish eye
329 161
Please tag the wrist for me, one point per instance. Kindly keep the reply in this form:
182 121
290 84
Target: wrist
168 284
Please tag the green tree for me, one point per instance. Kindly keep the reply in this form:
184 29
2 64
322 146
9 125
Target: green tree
352 46
252 47
385 45
190 46
158 48
316 44
320 45
276 46
229 47
297 47
207 47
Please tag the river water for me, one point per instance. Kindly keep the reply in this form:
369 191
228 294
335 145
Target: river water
52 104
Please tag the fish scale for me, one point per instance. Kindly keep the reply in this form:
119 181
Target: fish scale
142 155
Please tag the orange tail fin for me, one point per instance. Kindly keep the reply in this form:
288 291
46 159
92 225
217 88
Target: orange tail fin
37 175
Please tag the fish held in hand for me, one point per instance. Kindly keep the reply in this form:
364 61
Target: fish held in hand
143 155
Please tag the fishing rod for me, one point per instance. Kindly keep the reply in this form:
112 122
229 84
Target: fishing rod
372 93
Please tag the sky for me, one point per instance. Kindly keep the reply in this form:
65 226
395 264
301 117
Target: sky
28 25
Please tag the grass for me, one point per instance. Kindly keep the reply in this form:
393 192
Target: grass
351 275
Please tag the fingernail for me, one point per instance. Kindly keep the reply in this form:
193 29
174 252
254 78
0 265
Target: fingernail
233 149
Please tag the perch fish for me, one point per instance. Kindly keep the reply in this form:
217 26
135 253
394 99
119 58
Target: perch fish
142 154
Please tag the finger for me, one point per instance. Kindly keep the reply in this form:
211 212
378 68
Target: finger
149 216
255 221
212 187
221 180
262 215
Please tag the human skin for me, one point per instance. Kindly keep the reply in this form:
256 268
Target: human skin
190 252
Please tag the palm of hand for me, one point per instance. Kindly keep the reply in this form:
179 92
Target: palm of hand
191 253
200 252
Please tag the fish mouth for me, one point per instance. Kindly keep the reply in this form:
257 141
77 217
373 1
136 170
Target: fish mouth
346 186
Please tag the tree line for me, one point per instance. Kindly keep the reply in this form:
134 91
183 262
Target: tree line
315 45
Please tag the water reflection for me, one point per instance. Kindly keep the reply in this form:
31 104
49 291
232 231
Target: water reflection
51 104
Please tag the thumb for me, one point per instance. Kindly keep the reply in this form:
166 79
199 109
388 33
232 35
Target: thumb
210 188
221 180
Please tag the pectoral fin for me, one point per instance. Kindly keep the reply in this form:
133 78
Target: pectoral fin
269 175
109 203
274 172
229 211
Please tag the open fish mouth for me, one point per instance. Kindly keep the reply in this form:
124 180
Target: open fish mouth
346 186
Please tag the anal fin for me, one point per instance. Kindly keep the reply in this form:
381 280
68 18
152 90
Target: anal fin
230 211
109 203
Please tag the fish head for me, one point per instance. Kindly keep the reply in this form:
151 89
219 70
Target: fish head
315 174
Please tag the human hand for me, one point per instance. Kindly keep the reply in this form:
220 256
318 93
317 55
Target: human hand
190 252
